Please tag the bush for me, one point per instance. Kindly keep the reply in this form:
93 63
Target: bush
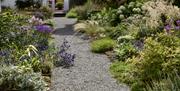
106 17
102 45
157 57
125 51
169 83
122 72
59 5
21 79
46 11
84 11
72 13
160 56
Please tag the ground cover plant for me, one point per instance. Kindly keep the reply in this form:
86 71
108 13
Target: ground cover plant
102 45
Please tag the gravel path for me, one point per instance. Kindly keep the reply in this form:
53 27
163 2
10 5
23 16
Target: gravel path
90 72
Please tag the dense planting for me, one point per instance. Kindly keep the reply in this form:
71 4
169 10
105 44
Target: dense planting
147 35
26 53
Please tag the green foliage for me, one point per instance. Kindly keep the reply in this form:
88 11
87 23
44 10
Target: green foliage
59 5
72 13
21 79
50 22
112 17
115 32
102 45
130 9
125 51
108 3
169 83
9 33
26 53
122 72
159 58
160 55
84 11
46 11
107 16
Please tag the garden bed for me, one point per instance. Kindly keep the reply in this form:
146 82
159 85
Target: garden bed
26 55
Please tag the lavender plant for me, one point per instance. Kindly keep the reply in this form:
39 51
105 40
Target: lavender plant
67 58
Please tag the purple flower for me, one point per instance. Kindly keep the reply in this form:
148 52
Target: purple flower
42 47
43 28
168 28
178 22
67 58
177 28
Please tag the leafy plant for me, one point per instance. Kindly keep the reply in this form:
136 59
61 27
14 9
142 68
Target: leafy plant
72 13
169 83
59 5
47 12
20 78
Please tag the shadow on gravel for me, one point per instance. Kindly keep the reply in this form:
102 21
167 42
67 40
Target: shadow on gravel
67 30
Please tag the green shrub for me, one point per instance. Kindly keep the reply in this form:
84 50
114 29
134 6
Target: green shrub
125 51
46 11
84 11
158 59
106 17
50 22
21 79
122 72
160 56
169 83
59 5
102 45
72 13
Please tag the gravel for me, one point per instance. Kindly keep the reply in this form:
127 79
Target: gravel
90 71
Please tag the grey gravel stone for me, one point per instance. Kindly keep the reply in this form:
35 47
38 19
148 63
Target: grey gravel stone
90 71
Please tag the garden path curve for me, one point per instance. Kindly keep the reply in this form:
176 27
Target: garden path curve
90 71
